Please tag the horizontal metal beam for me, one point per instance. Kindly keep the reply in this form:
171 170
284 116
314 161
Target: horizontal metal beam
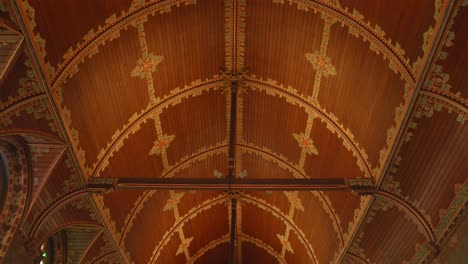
360 186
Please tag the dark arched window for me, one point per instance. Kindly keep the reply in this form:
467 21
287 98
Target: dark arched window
47 252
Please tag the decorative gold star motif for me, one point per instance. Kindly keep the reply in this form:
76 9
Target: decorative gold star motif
321 63
294 200
146 65
173 201
306 143
161 144
284 241
184 245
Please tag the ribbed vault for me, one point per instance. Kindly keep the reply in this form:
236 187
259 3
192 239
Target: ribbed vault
337 91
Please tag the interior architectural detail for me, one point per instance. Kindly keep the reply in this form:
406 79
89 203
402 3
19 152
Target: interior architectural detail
233 131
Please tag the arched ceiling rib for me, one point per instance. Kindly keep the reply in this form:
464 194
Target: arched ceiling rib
451 101
262 245
210 246
55 206
20 102
412 212
242 238
63 226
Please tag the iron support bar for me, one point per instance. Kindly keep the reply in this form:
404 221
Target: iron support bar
364 186
233 240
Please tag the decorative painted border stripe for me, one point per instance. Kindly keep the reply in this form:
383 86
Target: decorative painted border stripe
449 103
20 104
453 99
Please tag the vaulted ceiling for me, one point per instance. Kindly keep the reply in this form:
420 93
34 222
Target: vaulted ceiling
329 89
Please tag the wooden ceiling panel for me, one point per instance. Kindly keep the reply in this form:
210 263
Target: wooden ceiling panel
101 246
264 166
344 205
403 22
365 94
121 205
198 122
251 253
34 137
78 238
172 210
397 242
339 163
205 165
64 24
277 199
294 33
62 180
44 158
191 199
314 215
218 254
302 254
133 158
193 235
149 225
267 232
190 38
431 166
168 254
75 212
311 215
108 95
270 122
202 233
